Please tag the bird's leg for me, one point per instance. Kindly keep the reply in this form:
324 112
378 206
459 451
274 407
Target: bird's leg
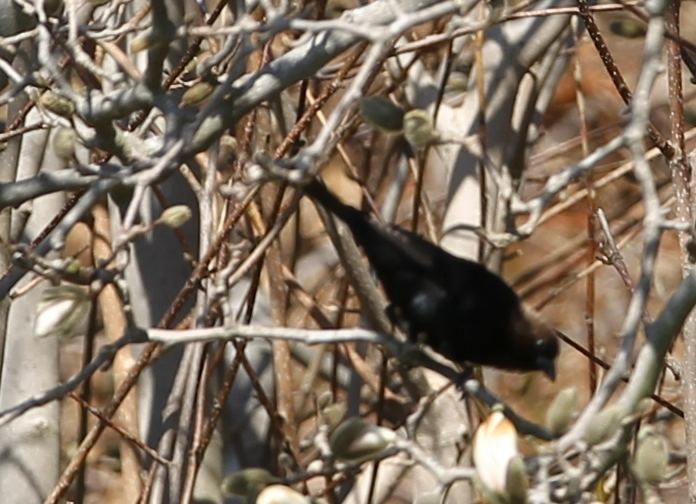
390 311
414 335
398 321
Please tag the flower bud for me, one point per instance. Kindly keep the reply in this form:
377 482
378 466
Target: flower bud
604 424
73 267
382 113
333 414
644 407
247 482
651 458
63 142
280 494
154 38
197 93
61 311
628 28
57 104
357 441
516 482
229 149
325 399
562 411
458 82
175 216
494 446
418 128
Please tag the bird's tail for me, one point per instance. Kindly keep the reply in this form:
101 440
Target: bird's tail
320 194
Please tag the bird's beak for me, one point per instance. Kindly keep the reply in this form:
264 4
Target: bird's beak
547 366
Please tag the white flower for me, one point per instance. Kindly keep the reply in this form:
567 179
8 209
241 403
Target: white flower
61 311
280 494
495 445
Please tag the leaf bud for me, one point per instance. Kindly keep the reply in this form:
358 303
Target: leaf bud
628 28
516 481
604 424
197 93
154 38
418 128
562 411
325 399
57 104
63 143
382 113
355 440
333 414
651 458
175 216
247 482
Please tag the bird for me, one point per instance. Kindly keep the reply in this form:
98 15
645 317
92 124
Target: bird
456 306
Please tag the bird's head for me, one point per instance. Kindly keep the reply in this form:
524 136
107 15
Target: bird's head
546 348
536 342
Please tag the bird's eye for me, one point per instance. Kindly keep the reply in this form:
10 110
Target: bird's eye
539 343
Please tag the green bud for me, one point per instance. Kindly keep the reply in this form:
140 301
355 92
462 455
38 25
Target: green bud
418 129
155 38
325 399
63 142
458 82
604 424
357 441
644 407
562 411
651 458
333 414
628 28
516 482
247 482
197 93
57 104
41 81
175 216
141 42
382 113
74 267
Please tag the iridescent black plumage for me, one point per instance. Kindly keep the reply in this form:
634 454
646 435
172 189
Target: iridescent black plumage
456 306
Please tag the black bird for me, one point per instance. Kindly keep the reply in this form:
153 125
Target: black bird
456 306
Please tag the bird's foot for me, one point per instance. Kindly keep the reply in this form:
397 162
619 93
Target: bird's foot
390 312
395 317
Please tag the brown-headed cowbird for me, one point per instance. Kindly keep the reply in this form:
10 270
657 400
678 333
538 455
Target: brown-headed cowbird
456 306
